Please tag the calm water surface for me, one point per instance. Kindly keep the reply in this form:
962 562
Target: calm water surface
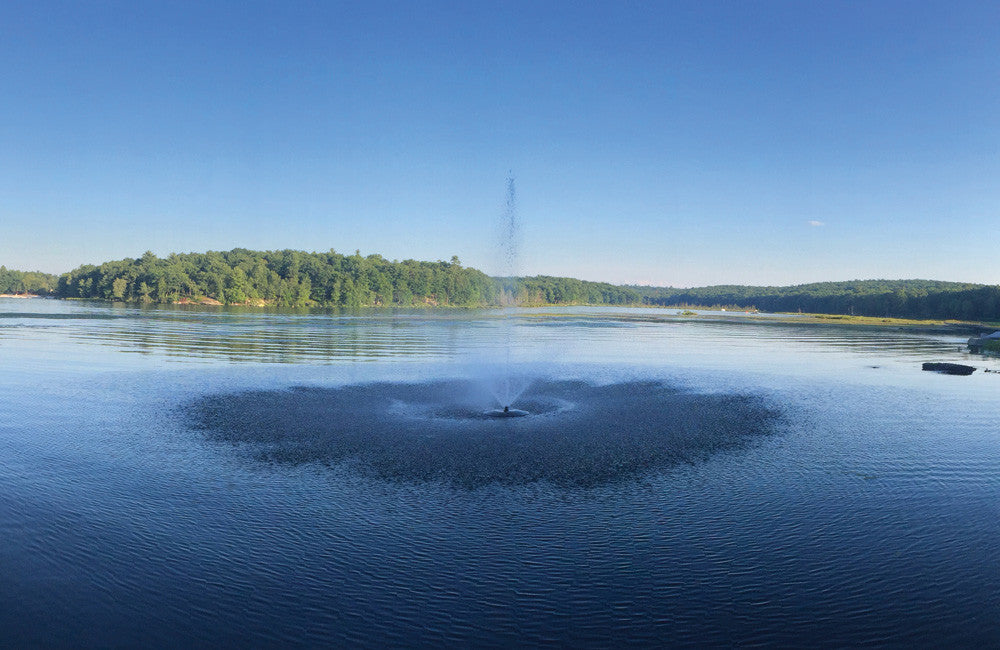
205 477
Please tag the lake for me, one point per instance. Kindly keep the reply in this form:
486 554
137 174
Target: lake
211 476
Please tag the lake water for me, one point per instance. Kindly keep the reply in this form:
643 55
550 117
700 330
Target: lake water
207 477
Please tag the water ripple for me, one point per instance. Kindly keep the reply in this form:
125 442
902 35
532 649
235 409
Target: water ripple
576 434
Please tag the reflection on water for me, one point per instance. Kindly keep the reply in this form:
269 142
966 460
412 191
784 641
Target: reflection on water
203 334
238 335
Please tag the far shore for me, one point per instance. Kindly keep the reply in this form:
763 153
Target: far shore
683 312
904 324
929 326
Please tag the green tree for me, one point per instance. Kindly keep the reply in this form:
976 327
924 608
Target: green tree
118 288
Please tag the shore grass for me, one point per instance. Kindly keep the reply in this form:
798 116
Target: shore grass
875 320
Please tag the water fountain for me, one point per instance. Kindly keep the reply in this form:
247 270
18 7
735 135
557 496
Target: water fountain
508 389
563 433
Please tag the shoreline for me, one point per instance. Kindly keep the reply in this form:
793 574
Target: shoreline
844 320
929 326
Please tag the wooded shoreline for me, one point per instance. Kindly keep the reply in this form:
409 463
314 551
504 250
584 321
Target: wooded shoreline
289 278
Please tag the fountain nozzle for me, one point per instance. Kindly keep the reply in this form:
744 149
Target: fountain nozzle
506 412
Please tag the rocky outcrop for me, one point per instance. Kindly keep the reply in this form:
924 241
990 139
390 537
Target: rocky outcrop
949 368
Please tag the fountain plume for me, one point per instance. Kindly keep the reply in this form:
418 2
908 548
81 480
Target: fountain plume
509 293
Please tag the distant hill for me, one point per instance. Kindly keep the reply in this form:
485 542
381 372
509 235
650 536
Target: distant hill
881 298
545 289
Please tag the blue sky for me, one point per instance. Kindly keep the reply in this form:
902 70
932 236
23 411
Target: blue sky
666 143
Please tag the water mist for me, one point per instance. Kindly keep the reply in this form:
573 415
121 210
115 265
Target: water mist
508 389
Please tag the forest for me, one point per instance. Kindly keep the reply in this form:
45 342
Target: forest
292 278
297 279
30 282
918 299
284 278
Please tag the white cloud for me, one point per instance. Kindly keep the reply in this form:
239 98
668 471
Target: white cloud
813 222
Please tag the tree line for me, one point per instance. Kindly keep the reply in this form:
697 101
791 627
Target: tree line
29 282
548 290
918 299
296 278
285 278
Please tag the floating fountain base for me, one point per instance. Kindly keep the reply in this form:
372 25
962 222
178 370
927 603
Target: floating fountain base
506 412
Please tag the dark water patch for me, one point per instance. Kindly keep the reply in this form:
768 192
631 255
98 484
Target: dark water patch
576 434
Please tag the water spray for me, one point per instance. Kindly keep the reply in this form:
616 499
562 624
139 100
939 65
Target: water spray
509 244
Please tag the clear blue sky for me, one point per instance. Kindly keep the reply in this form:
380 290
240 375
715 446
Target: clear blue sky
666 143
